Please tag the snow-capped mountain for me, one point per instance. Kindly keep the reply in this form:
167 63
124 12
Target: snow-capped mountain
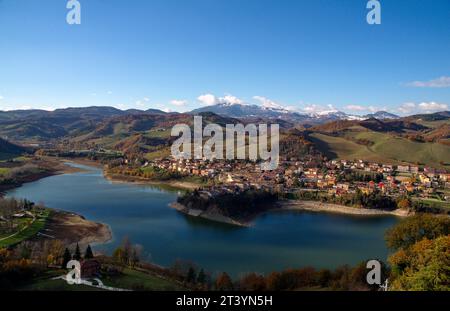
250 111
242 111
382 115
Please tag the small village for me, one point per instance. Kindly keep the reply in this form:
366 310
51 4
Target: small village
336 177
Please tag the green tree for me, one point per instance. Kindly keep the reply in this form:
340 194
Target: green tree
118 255
424 266
77 255
201 278
414 229
88 254
191 276
66 258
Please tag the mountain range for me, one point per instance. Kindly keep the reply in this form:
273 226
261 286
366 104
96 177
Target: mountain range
245 111
381 136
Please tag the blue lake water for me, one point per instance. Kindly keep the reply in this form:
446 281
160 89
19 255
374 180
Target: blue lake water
276 241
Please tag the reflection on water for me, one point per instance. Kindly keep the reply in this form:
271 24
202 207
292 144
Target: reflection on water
277 240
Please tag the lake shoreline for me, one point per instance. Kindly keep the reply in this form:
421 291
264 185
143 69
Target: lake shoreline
209 215
54 166
291 205
316 206
72 228
182 185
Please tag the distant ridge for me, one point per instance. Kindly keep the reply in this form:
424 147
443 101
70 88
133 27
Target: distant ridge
242 111
10 149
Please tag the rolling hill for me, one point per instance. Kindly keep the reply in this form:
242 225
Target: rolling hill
396 141
9 150
420 139
41 125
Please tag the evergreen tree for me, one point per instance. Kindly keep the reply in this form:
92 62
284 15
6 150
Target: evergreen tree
77 255
66 258
201 278
88 254
191 275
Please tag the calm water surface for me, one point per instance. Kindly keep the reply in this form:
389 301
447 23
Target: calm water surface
276 240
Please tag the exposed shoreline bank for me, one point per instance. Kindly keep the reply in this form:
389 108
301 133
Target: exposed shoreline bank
209 215
73 228
53 167
183 185
315 206
291 205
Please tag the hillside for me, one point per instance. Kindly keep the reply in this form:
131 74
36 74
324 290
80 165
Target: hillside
41 125
149 135
421 139
9 150
392 141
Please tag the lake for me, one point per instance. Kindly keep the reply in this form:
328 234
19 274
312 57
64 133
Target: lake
276 241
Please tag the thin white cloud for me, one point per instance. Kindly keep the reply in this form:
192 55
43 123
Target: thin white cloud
356 108
441 82
207 99
178 102
48 108
427 107
432 106
360 108
375 109
1 97
23 107
142 103
210 100
318 109
271 104
120 106
407 108
163 108
267 103
230 99
109 92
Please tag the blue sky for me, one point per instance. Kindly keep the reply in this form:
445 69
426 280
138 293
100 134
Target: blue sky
168 54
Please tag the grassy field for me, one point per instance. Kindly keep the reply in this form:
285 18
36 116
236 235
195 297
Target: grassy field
137 280
129 279
157 154
432 124
383 148
435 203
4 171
28 232
341 148
56 285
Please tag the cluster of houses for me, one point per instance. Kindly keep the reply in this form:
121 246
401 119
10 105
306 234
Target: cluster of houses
293 174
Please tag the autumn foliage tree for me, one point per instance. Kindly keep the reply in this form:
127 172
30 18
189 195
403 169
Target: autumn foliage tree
224 282
252 282
424 266
415 228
